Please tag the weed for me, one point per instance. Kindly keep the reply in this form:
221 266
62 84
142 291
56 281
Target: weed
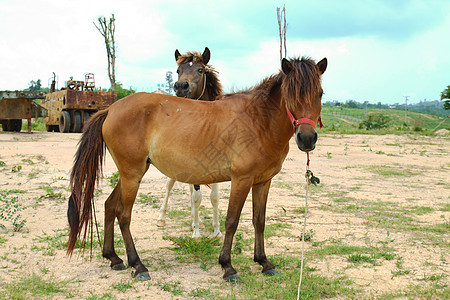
16 169
173 288
51 194
2 163
36 286
122 286
148 199
27 161
308 235
113 179
10 209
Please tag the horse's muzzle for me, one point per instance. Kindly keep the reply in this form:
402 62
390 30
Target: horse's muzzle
181 88
306 141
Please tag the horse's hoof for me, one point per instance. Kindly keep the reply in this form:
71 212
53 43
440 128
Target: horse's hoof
271 272
143 276
161 223
234 278
119 267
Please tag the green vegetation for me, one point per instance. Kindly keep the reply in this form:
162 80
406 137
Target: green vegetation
10 209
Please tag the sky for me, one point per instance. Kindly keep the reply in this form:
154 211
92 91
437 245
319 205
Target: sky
377 50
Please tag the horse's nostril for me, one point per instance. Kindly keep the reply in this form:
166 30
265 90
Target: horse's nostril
315 137
185 85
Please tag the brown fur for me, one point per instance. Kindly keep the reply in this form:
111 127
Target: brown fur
244 139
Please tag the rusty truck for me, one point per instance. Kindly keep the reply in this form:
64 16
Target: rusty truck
71 107
18 105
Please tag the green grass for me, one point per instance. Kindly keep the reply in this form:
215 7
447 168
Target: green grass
34 287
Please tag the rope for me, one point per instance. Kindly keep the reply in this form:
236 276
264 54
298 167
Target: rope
204 85
308 176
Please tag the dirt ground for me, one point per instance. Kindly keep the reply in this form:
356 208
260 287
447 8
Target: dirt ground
399 172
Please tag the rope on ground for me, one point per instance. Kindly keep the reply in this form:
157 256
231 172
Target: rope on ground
308 176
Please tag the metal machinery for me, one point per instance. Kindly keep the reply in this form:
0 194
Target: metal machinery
71 107
18 105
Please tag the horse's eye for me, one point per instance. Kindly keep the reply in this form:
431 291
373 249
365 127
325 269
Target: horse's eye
178 71
200 71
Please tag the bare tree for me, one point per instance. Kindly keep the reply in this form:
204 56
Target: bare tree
107 29
282 27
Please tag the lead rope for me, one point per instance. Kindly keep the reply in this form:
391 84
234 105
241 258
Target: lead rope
308 176
204 85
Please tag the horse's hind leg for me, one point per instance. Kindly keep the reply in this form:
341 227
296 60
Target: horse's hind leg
163 211
110 215
129 187
259 200
196 200
215 205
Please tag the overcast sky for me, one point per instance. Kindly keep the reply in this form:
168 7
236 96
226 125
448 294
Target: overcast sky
377 50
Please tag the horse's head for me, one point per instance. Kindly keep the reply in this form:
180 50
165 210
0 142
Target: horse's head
192 69
302 90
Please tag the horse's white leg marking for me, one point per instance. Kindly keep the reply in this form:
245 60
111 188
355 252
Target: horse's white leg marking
162 215
215 205
196 199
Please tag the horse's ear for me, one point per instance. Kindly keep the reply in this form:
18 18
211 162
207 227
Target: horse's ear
177 53
206 56
286 66
322 65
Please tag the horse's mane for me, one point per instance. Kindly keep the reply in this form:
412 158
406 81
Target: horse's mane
301 82
213 85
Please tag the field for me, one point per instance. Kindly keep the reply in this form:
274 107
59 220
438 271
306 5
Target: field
378 226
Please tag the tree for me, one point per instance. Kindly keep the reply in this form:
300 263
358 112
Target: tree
445 95
121 92
282 27
169 82
107 29
34 85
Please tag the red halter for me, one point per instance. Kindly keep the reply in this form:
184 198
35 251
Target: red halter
297 122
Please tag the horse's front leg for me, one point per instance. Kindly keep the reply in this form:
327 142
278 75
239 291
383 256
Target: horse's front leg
259 199
163 211
215 205
238 194
196 200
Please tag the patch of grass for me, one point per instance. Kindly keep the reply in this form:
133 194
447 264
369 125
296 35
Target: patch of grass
35 287
16 169
391 171
101 297
360 258
275 229
2 163
122 286
148 199
113 179
203 250
255 285
174 288
10 212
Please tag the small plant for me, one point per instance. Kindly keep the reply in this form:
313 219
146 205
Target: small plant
51 194
122 286
113 179
173 288
375 121
238 243
2 163
16 169
308 235
10 212
329 155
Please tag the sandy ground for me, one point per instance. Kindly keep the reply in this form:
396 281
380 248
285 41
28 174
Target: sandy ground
346 164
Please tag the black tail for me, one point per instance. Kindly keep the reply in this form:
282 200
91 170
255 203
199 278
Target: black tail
85 172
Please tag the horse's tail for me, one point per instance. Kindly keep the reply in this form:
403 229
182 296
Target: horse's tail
85 172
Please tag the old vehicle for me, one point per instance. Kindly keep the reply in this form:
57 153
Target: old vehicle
18 105
71 107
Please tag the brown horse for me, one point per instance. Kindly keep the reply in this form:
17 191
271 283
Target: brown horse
245 140
196 80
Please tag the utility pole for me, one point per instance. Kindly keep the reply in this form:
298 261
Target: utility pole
406 106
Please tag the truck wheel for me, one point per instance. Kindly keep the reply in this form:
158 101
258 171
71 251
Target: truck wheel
5 125
49 128
64 122
15 125
76 122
